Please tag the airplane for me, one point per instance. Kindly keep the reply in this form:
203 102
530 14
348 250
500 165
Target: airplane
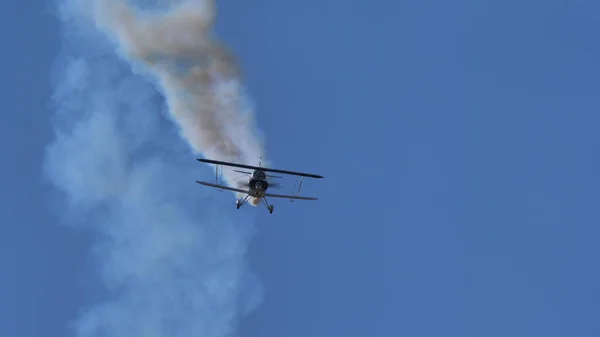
258 183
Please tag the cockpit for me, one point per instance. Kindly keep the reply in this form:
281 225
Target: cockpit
259 175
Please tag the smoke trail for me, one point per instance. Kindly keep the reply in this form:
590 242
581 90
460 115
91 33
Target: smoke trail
172 267
197 74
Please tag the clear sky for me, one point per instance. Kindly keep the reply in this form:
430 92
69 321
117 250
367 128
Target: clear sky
460 151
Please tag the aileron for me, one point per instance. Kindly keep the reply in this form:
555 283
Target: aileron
293 197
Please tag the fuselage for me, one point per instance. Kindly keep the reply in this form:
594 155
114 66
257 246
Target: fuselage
258 184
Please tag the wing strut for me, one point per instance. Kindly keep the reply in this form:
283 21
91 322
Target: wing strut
297 192
217 175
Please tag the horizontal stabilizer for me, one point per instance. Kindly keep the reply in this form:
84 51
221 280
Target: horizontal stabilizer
244 172
222 187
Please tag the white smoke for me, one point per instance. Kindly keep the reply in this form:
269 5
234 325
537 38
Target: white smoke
172 265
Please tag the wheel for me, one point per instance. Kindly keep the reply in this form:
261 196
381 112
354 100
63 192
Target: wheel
271 209
237 204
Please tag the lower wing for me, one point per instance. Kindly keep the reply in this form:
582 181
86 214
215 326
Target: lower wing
246 191
222 187
289 197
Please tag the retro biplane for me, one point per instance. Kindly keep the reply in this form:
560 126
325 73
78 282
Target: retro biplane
258 182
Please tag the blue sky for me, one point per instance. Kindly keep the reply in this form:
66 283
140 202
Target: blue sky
460 152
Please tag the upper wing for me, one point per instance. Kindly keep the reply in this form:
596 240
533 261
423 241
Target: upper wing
222 187
217 162
289 196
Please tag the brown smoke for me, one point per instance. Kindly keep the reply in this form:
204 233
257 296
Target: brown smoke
199 76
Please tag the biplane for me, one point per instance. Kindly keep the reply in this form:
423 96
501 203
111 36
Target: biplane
258 183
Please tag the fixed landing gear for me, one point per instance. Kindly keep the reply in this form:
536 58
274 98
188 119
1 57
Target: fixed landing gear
269 207
239 204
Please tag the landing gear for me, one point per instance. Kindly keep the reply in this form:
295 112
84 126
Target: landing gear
239 204
269 207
